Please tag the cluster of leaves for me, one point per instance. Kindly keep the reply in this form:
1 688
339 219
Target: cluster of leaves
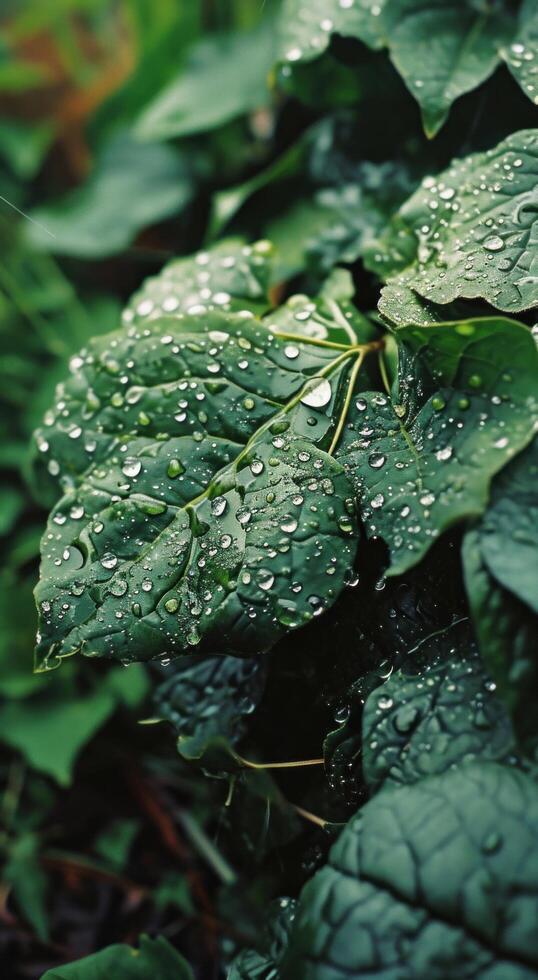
298 475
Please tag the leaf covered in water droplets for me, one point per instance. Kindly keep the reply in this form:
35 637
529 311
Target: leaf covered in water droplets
438 711
200 508
441 50
521 55
431 880
500 556
230 276
210 699
467 233
506 632
423 459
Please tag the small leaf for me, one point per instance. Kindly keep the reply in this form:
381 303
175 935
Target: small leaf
521 55
50 733
28 882
155 958
423 459
210 699
509 528
467 233
506 632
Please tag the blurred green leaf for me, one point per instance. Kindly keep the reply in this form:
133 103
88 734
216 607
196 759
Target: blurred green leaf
115 842
225 76
133 185
29 883
155 958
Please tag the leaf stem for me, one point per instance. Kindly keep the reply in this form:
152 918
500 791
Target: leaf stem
311 817
347 403
279 765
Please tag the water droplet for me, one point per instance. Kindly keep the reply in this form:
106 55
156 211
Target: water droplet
377 501
265 579
291 351
218 506
376 461
131 466
318 393
493 244
109 560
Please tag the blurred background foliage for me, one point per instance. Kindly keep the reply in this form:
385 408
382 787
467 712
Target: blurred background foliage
132 131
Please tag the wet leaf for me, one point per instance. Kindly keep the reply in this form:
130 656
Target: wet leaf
199 511
466 233
446 863
423 459
506 632
441 50
210 699
522 53
509 529
438 711
230 276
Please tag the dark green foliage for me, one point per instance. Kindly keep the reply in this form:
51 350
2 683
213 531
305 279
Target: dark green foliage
428 881
295 479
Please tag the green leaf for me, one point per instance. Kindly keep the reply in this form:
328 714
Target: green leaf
262 964
52 728
467 233
428 880
28 882
132 186
51 732
423 459
522 53
235 66
115 842
230 276
435 713
441 50
509 528
155 958
200 511
306 26
506 632
210 699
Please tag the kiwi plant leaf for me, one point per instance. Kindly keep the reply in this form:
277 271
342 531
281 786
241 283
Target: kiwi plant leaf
446 862
422 463
202 509
210 699
467 233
